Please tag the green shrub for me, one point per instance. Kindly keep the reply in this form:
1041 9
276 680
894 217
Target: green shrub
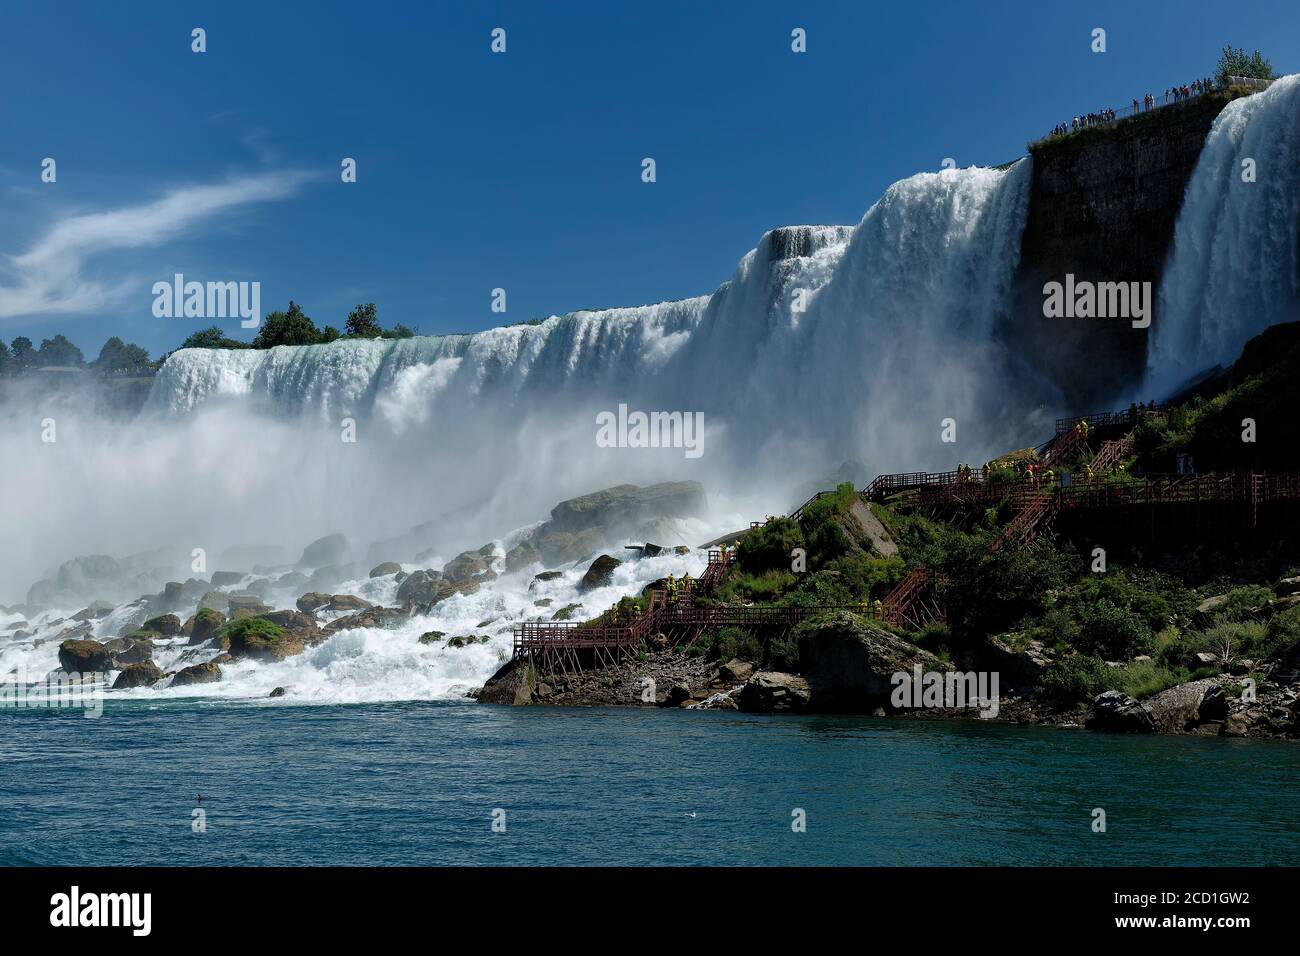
767 547
735 642
1075 679
1143 678
1112 632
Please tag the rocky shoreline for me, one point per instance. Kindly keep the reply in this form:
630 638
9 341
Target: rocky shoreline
853 673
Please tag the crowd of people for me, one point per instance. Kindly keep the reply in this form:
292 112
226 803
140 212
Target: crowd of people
1173 94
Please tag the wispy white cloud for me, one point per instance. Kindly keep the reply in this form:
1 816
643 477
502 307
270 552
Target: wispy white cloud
48 278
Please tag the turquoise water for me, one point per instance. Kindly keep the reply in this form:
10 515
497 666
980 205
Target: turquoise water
417 783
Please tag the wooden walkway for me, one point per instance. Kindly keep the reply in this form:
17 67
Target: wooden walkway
913 603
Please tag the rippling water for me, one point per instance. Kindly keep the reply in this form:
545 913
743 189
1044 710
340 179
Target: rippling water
417 783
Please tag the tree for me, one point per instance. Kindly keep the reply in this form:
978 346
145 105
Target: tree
59 351
363 323
6 360
24 354
1238 63
293 327
211 338
399 331
117 356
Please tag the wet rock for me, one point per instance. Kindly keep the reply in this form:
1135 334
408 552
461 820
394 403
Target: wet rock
770 691
138 675
385 569
380 617
206 623
84 657
432 637
511 684
243 604
167 625
329 550
291 579
850 662
95 611
599 574
276 692
197 674
544 577
421 587
135 648
313 601
566 613
347 602
466 640
1116 712
1182 708
224 579
216 600
735 671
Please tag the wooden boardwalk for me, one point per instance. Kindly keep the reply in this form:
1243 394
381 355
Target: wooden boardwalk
1036 505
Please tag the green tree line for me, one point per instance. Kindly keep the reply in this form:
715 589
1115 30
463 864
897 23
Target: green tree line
289 327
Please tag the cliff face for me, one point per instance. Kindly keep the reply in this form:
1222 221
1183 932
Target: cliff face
1103 205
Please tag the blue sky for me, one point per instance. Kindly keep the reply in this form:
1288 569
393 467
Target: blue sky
521 170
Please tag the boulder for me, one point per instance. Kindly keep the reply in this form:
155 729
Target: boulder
850 663
313 600
347 602
216 600
244 604
291 579
566 613
599 574
1116 712
385 569
224 579
775 691
1180 709
511 684
206 623
1237 724
197 674
544 577
432 637
329 550
465 640
471 565
95 611
84 657
421 587
735 671
1206 610
138 675
276 692
166 625
1288 586
678 694
259 639
522 555
1019 662
135 648
377 617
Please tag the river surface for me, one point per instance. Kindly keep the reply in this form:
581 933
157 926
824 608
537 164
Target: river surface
422 783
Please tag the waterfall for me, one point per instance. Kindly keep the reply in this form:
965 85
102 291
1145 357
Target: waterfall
1234 268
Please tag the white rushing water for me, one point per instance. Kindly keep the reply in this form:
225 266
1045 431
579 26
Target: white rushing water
828 344
1234 268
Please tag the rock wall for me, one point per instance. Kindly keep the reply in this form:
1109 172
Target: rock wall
1103 205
